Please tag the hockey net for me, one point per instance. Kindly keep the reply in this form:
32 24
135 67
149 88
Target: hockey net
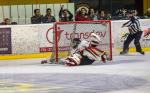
64 32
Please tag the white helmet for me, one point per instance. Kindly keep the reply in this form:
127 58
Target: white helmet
95 39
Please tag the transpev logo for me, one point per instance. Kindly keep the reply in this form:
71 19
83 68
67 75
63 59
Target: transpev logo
146 32
59 31
68 36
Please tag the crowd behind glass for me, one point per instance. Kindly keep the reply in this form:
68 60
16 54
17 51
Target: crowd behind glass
82 14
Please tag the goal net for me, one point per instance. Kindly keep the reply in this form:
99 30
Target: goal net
64 32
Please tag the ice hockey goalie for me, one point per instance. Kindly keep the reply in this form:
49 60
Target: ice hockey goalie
85 52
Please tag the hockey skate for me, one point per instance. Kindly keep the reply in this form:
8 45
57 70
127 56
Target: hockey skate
44 62
142 52
123 53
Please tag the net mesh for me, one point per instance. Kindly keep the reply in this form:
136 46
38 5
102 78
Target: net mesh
65 31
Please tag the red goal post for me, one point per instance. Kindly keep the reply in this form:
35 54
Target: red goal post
64 32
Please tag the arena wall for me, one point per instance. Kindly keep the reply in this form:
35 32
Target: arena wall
35 41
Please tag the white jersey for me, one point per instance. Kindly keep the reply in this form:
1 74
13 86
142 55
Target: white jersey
80 47
85 53
91 53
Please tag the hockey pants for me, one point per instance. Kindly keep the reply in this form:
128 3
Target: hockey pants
136 37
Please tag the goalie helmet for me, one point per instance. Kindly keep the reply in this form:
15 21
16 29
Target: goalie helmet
95 39
75 42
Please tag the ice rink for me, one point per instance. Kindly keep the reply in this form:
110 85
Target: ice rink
125 74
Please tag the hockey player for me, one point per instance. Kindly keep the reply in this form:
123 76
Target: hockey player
85 52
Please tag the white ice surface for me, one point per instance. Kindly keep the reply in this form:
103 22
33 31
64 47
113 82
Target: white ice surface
130 65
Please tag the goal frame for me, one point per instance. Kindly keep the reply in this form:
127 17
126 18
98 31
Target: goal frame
78 22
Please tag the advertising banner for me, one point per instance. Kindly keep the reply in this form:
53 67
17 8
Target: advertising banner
5 41
45 37
36 38
25 39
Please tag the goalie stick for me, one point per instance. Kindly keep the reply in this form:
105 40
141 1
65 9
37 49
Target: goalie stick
72 36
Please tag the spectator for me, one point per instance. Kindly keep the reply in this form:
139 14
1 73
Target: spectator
48 18
92 15
147 15
82 15
134 12
102 15
148 12
8 22
109 16
128 14
125 14
65 15
37 18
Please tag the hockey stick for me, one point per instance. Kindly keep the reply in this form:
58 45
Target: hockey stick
74 30
72 36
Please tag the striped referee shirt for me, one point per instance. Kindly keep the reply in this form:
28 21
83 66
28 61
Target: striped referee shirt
133 24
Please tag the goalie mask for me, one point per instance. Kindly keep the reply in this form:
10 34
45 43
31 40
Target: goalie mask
75 42
95 40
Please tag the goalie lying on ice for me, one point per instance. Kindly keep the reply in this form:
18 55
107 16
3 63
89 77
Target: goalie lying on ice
85 52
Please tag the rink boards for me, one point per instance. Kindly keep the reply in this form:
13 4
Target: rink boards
35 41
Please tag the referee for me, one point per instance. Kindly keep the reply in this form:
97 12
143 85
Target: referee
135 33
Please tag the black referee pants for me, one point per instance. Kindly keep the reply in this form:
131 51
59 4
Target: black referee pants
136 37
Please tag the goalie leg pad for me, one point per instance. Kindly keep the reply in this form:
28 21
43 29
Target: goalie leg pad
73 60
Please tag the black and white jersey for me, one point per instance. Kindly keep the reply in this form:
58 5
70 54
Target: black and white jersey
133 24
